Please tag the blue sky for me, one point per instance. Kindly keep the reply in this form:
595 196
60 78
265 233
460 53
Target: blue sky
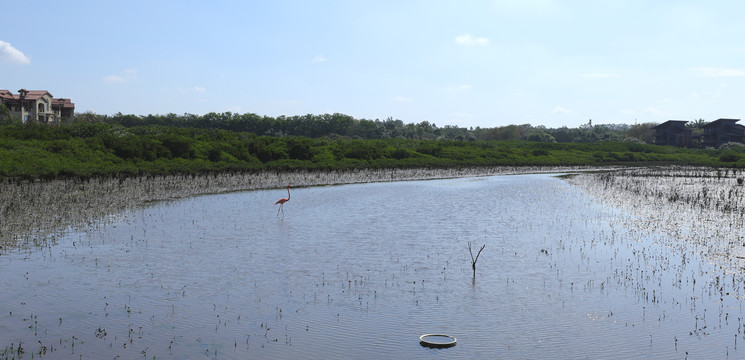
464 63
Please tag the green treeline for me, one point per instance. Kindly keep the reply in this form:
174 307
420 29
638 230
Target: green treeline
325 125
108 149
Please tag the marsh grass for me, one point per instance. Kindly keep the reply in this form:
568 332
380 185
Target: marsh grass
31 211
696 207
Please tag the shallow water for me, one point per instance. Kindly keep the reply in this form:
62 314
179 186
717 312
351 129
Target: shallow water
361 271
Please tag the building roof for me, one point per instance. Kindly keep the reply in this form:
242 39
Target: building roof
30 95
719 122
670 123
36 95
5 94
63 103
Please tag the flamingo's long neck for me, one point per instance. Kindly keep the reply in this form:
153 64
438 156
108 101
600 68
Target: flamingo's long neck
288 193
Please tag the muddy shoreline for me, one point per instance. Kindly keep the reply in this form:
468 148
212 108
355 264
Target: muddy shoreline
31 211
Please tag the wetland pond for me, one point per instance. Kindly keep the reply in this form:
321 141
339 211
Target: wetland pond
362 271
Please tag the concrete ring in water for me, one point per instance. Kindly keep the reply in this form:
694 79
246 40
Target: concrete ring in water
437 340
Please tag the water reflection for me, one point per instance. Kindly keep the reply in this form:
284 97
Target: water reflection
361 271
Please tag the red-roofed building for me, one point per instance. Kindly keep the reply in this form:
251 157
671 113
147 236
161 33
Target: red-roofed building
37 106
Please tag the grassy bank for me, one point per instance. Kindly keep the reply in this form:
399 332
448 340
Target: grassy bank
97 150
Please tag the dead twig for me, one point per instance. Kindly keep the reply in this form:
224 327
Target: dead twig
475 259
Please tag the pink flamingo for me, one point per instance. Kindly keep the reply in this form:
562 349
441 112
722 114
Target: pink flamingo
282 201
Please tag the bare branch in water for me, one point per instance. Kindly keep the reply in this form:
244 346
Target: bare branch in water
474 260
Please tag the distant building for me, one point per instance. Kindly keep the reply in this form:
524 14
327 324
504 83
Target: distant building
722 131
673 132
38 106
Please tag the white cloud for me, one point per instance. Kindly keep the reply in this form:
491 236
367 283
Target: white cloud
199 89
402 99
128 75
319 59
469 40
113 79
12 55
562 110
718 72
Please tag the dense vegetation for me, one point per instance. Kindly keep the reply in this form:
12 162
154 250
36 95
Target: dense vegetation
106 149
316 126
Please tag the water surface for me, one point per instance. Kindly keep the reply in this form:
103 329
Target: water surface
361 271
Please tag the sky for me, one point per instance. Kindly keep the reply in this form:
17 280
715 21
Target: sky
462 63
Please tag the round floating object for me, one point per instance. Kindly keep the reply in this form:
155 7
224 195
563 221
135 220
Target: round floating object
437 340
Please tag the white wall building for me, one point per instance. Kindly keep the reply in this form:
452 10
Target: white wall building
37 106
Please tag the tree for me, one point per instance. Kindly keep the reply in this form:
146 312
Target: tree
509 132
642 132
89 117
5 117
539 135
696 124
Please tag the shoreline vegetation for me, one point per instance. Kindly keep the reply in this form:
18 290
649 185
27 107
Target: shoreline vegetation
694 207
32 210
52 177
102 150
